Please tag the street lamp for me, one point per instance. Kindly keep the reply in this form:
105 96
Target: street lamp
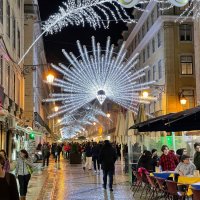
182 98
145 94
94 123
108 115
50 78
59 120
56 108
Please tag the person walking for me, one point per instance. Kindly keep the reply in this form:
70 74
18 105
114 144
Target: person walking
95 157
45 154
88 154
107 158
7 163
58 150
8 184
23 172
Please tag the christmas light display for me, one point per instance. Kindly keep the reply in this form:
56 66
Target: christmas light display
77 121
101 75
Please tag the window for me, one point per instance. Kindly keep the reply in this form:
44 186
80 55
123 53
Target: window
143 31
14 87
9 81
153 45
14 33
18 41
143 55
159 39
1 11
1 70
135 41
158 10
8 19
186 65
185 32
154 72
159 69
147 25
18 3
139 39
149 75
152 17
148 51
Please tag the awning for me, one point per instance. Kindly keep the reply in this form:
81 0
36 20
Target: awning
186 120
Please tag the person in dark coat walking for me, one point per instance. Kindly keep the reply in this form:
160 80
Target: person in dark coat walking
107 159
95 157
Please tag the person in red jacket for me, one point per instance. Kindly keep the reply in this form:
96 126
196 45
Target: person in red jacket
168 160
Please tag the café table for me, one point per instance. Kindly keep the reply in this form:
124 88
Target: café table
189 180
164 174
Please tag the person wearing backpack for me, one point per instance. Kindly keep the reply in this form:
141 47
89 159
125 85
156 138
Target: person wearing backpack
8 184
23 172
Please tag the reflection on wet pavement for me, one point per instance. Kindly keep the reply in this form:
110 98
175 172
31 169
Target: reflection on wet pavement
75 184
69 182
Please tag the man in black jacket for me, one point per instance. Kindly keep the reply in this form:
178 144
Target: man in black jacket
107 159
197 155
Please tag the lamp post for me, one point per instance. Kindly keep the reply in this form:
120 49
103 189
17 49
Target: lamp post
50 78
182 98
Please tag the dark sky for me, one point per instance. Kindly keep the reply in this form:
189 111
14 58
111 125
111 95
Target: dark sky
66 39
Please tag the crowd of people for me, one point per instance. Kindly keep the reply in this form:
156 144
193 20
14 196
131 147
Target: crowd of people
96 156
179 162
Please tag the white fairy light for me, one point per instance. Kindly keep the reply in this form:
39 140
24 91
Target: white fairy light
86 116
78 12
99 74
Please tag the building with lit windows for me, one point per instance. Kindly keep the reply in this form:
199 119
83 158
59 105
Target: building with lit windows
168 48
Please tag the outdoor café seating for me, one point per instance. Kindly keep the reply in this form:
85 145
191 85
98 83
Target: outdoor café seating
158 186
196 194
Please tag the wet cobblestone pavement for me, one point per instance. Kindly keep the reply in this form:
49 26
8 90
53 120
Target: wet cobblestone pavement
70 182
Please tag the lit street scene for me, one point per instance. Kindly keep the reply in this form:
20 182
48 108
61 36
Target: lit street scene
99 100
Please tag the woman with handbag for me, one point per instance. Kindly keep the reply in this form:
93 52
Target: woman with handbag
23 172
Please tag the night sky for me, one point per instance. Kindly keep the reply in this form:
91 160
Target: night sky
66 39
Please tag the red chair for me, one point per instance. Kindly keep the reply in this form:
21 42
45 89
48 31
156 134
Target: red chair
153 187
138 183
196 194
172 191
161 187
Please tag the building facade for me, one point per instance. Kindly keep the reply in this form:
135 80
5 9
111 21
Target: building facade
168 48
11 76
36 69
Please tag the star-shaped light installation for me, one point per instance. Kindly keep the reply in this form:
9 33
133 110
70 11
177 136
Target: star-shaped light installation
100 74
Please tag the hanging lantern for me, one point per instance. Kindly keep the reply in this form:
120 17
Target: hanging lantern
128 3
179 3
101 96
